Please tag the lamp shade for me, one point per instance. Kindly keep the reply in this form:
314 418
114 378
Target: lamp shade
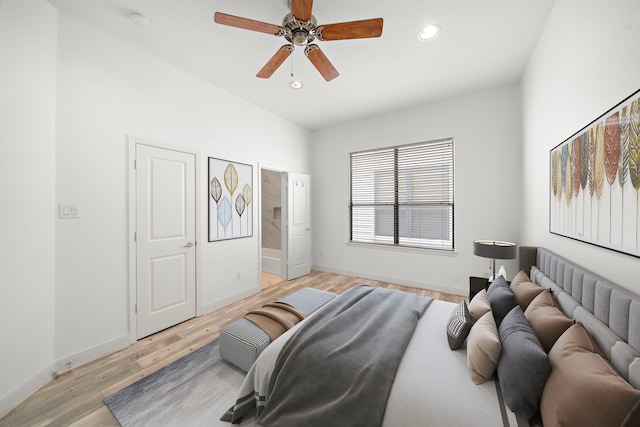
495 249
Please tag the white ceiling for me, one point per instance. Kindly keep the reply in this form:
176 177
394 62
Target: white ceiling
482 44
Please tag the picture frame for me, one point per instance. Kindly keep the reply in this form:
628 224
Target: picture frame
230 195
594 193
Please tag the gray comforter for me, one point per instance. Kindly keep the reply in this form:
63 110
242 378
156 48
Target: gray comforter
338 368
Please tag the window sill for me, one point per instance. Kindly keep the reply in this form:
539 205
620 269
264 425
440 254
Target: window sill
408 249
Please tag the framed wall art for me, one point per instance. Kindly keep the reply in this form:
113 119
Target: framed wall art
595 181
230 200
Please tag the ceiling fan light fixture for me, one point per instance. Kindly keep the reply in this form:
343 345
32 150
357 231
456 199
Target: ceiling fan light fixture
299 38
429 32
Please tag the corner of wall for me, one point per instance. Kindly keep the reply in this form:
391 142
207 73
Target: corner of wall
17 395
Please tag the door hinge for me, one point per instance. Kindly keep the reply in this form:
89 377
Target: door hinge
135 309
135 236
135 164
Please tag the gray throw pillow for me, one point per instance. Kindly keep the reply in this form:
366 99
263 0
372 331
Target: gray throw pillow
523 367
501 299
497 282
458 326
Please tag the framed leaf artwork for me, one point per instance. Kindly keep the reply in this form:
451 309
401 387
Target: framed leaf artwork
230 200
595 181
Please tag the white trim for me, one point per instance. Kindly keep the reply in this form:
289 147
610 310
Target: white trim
16 396
19 394
397 280
232 298
132 141
75 359
258 208
401 248
131 178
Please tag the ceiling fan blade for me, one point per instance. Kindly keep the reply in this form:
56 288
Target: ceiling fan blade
276 61
247 24
301 9
350 30
321 62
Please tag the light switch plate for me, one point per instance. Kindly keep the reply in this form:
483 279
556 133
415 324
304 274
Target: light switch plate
68 211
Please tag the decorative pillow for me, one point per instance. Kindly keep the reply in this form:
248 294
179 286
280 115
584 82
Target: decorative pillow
525 292
479 305
524 367
458 326
483 349
584 389
547 321
501 299
497 282
520 277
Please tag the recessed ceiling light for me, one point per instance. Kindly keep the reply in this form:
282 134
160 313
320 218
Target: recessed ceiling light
295 84
139 19
429 32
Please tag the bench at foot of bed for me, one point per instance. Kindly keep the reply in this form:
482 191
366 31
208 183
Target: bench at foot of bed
241 342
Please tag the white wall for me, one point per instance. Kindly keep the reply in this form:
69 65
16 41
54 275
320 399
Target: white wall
106 91
585 63
27 131
486 127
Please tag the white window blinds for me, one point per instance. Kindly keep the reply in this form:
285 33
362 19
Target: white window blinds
403 195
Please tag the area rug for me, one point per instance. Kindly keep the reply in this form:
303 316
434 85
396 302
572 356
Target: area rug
192 391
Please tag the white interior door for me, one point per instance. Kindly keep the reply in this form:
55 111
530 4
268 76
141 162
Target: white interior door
165 238
298 253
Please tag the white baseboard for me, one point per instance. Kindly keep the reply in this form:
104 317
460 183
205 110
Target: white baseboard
398 280
75 359
13 398
232 298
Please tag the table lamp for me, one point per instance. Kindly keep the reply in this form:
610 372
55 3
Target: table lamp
495 250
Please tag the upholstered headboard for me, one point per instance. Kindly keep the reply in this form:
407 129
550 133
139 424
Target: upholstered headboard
610 313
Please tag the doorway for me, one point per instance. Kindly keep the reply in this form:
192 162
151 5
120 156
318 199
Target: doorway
272 226
286 225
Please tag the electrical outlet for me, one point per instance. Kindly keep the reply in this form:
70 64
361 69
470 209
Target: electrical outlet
237 277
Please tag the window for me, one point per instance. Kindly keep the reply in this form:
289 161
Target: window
403 196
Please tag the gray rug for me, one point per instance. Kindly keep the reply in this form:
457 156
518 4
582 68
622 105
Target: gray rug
192 391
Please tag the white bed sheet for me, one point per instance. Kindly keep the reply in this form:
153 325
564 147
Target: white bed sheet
433 386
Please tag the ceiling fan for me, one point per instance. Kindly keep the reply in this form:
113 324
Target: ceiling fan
300 28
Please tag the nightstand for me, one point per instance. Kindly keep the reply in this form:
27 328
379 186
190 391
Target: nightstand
476 284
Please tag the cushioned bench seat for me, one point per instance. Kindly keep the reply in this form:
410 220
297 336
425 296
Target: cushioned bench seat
241 342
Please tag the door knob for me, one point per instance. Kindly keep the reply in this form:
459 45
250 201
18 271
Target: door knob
188 245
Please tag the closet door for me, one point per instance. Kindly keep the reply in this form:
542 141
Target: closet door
165 238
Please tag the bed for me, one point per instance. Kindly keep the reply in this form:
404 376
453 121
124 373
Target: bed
436 385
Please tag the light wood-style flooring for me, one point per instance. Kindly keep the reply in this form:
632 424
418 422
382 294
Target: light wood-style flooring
269 279
75 397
